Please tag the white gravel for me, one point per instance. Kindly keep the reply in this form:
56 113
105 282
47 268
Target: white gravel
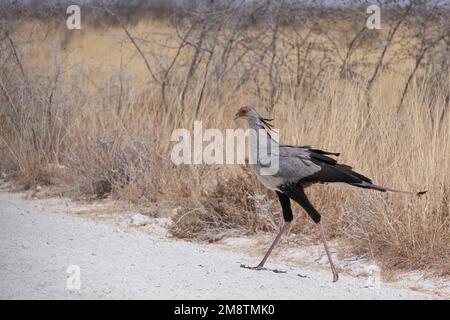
37 247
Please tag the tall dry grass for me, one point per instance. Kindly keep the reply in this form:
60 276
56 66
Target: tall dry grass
80 109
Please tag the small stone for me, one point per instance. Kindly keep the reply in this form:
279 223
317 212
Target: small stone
140 220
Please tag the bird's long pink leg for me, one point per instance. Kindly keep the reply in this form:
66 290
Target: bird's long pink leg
324 240
283 229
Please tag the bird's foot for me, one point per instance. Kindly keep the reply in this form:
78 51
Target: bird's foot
260 267
335 277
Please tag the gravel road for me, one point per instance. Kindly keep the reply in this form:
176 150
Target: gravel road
42 253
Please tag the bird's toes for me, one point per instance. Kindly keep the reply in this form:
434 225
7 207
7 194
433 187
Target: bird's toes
258 267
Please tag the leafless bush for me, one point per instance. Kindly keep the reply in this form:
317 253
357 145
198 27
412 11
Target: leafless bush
106 165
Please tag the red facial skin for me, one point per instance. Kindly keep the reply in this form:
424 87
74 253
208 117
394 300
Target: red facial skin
243 111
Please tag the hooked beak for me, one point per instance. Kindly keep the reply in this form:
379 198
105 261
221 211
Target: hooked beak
236 116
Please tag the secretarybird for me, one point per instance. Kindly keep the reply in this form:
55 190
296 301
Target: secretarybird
298 168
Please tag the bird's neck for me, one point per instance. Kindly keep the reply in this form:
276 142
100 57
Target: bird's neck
256 124
260 137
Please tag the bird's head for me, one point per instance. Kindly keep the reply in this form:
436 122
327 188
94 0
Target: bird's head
246 112
252 116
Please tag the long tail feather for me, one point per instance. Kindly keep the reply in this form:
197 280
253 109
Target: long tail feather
367 185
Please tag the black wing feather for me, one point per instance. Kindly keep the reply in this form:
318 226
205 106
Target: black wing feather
331 171
321 155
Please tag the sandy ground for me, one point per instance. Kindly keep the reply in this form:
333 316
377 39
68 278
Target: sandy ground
42 248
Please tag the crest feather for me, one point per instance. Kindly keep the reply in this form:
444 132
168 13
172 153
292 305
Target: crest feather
266 123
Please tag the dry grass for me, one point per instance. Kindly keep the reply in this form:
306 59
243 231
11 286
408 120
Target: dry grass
86 103
229 206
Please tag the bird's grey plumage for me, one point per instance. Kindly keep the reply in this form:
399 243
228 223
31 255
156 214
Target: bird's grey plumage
294 165
304 166
297 164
